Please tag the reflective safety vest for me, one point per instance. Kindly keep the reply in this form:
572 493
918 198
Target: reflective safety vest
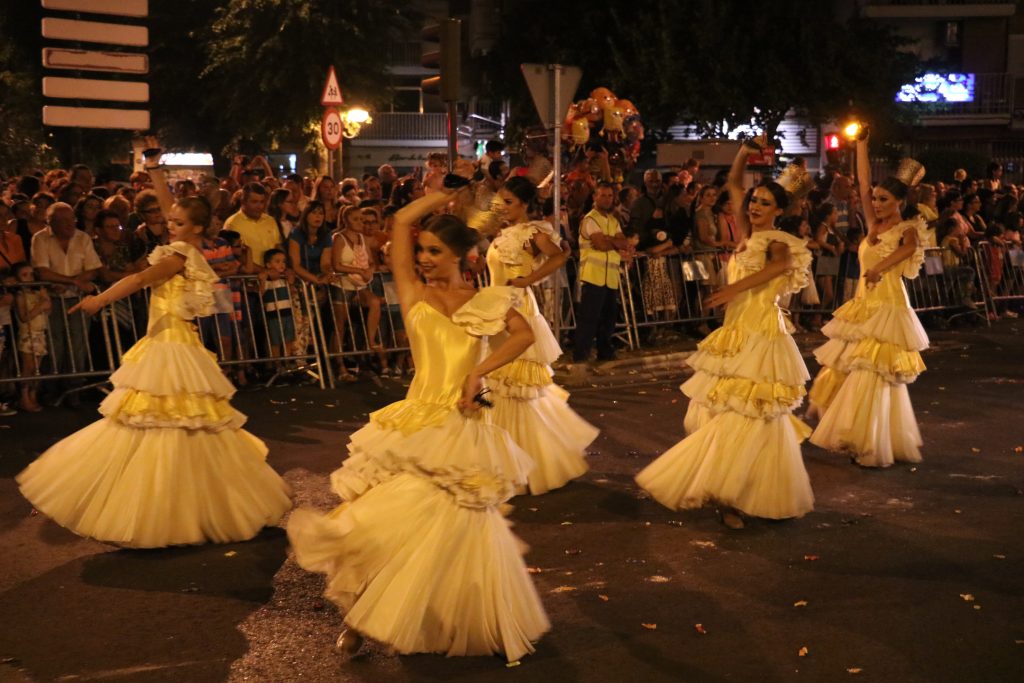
600 267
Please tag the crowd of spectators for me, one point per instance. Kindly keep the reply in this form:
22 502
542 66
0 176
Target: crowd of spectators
63 233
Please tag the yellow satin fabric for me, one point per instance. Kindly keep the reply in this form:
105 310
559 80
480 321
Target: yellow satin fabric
444 354
178 407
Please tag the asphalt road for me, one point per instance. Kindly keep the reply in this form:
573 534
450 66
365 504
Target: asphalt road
914 574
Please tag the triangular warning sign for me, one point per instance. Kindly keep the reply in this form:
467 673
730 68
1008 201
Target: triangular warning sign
332 91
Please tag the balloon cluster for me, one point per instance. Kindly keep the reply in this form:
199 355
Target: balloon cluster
616 123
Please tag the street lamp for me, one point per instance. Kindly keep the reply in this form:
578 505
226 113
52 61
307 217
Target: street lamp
852 130
352 121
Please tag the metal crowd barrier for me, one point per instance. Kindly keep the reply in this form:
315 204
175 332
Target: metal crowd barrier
330 326
1003 268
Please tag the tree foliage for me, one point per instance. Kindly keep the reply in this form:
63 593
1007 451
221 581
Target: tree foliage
709 62
267 59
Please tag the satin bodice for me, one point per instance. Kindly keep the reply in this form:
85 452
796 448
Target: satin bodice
444 353
165 321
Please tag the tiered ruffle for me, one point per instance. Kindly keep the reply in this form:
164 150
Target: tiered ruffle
419 572
751 464
476 462
171 384
156 487
872 353
749 373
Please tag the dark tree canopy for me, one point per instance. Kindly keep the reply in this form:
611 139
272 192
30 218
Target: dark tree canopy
711 61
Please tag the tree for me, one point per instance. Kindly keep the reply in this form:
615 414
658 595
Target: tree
714 63
266 60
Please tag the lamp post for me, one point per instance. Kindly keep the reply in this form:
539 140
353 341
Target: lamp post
352 121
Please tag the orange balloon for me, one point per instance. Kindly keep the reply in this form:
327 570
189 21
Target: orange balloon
605 98
627 108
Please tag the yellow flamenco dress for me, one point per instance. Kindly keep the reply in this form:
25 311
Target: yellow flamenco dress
169 463
527 403
419 555
743 443
873 352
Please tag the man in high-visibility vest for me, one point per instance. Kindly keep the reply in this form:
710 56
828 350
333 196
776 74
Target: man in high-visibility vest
601 239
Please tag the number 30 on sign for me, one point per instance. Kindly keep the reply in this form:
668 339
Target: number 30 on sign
330 128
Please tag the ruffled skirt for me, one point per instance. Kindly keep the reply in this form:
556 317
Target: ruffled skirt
536 412
860 394
419 556
751 464
743 448
168 464
414 569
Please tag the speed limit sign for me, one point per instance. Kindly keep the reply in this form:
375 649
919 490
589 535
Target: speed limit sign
330 128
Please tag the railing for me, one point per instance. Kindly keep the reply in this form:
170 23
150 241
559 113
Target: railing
330 330
406 126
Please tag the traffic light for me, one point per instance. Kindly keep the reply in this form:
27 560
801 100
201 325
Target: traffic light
444 53
836 149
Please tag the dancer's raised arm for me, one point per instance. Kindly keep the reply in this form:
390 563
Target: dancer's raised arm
864 180
734 185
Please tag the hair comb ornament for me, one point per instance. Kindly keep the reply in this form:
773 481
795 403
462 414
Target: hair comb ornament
796 181
910 172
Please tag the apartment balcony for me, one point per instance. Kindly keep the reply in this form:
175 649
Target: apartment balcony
404 128
992 105
937 9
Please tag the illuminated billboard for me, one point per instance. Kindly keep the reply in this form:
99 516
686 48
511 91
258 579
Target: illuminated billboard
933 88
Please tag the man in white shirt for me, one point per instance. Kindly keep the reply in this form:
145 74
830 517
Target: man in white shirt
64 255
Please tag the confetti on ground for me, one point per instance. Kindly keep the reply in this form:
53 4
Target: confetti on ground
704 544
958 511
573 551
602 598
967 597
977 606
802 652
534 570
699 628
1018 449
812 558
512 664
913 469
999 557
566 523
658 578
854 670
563 589
800 603
676 400
230 553
532 509
650 627
975 450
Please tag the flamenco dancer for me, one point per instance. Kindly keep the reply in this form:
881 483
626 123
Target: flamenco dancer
743 445
875 339
419 556
169 463
527 403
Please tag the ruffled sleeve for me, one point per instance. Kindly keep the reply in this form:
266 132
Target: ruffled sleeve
753 258
196 299
910 268
484 314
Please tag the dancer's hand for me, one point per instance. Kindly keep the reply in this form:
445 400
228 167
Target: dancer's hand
89 305
721 297
872 276
471 387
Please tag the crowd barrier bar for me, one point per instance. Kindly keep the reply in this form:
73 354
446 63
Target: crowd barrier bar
654 291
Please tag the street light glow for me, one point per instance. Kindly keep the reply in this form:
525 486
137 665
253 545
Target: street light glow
852 130
358 115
